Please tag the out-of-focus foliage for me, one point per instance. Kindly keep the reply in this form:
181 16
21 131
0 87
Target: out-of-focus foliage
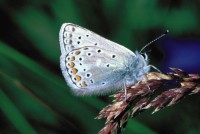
34 97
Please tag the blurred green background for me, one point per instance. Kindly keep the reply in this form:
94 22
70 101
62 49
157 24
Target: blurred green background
34 97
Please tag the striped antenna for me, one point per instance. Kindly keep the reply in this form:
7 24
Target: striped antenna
165 33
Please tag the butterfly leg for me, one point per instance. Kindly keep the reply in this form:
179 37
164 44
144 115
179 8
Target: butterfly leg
125 90
152 66
146 79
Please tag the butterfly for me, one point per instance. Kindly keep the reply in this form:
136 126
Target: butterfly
95 65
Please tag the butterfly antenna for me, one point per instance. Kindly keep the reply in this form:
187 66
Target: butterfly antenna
162 35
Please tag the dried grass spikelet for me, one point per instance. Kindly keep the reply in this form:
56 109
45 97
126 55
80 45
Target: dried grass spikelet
120 111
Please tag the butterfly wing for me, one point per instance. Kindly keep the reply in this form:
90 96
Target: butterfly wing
72 36
90 63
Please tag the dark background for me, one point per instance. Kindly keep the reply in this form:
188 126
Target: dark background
34 97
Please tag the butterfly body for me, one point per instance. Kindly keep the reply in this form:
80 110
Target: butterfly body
92 64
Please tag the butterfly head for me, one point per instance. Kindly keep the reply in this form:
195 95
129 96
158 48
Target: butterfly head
138 68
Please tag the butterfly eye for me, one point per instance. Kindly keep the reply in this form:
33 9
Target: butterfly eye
144 55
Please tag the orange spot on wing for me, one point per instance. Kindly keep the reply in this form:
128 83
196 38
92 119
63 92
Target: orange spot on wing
74 70
77 52
84 84
72 58
78 78
71 65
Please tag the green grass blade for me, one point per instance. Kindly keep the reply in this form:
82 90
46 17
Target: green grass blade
14 115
